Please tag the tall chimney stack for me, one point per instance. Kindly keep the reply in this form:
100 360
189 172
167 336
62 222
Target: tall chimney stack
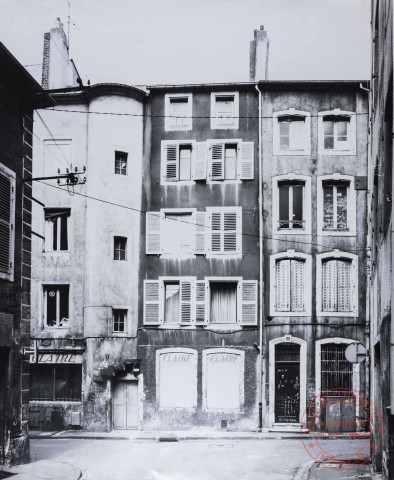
258 63
58 71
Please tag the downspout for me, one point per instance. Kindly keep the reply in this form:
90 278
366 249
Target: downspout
261 283
392 292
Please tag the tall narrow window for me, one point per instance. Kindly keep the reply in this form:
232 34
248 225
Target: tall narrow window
335 206
336 370
120 246
291 205
337 285
223 305
121 163
7 208
291 133
171 302
119 321
56 229
56 305
185 162
290 285
230 162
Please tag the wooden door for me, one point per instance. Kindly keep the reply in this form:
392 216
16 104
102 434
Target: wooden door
287 392
125 405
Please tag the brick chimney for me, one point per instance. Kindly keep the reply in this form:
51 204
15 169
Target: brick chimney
58 71
258 63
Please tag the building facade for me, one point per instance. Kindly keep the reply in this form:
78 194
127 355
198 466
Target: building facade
199 302
85 257
20 94
380 239
314 169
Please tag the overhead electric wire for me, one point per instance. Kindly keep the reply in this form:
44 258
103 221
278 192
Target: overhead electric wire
52 109
345 248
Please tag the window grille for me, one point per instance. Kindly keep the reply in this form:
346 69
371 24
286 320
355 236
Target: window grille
336 370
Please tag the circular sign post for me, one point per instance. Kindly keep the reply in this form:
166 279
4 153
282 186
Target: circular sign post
355 353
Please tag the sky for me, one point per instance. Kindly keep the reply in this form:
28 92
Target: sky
195 41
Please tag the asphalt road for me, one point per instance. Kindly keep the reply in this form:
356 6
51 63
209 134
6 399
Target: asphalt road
186 460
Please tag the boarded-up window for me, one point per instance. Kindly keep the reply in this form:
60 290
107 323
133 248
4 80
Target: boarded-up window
290 285
177 379
336 370
223 378
337 286
57 154
56 382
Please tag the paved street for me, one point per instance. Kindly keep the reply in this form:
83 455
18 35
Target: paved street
186 460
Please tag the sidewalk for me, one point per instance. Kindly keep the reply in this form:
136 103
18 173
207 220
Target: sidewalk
168 436
45 470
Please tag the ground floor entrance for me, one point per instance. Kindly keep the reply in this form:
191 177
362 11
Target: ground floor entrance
287 383
125 405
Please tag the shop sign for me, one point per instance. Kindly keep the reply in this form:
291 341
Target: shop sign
57 358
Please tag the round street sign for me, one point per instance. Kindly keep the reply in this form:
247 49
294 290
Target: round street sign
356 353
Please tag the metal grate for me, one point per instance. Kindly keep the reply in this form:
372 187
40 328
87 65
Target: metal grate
336 370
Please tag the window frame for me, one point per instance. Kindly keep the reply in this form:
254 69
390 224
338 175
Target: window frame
114 237
238 233
42 312
242 148
178 143
307 201
127 163
337 255
120 308
351 205
215 125
291 255
351 133
291 112
167 112
177 211
9 274
49 234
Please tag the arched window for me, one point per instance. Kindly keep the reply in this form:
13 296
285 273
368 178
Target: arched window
291 132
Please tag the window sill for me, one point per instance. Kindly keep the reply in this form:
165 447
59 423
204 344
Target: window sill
46 327
56 252
186 128
338 152
119 335
184 183
293 153
226 327
224 182
291 314
337 233
178 409
224 256
293 232
224 410
57 402
177 256
337 314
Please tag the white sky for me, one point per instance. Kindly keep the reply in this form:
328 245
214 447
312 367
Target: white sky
196 41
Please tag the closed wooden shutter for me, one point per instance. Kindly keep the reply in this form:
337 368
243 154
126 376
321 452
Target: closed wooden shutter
248 302
329 286
153 221
344 285
226 230
297 285
230 222
6 226
217 161
200 162
283 285
216 232
186 302
201 308
152 302
200 233
171 163
246 161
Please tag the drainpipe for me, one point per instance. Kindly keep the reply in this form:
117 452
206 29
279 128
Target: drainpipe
392 299
261 357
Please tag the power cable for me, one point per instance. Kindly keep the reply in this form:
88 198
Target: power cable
346 248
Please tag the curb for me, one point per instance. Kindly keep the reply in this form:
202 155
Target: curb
302 472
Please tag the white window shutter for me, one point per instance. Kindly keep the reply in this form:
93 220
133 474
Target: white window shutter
329 286
171 162
216 228
246 161
283 285
152 302
200 162
153 220
297 285
5 223
248 302
217 161
230 222
186 302
201 299
199 248
344 285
